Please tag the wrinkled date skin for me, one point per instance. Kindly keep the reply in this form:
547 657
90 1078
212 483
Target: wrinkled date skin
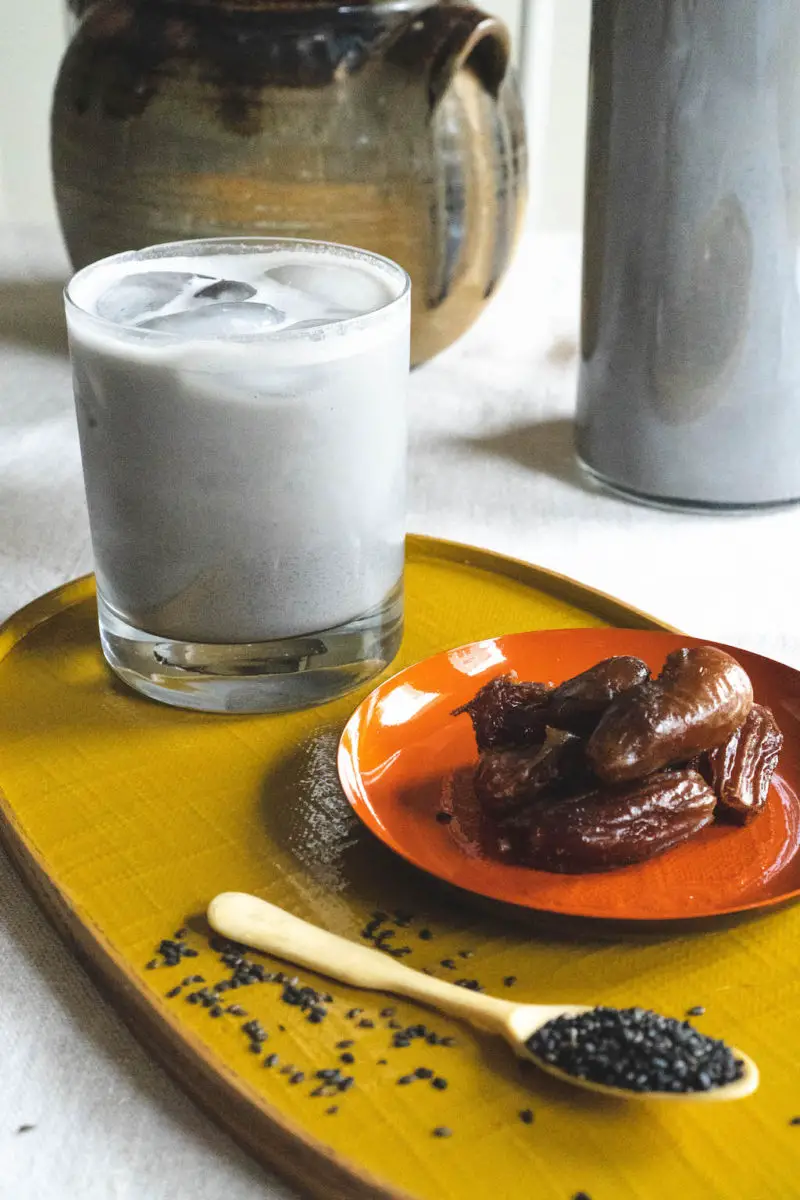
578 704
609 827
508 713
507 780
740 772
700 698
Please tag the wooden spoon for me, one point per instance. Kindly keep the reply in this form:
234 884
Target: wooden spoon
256 923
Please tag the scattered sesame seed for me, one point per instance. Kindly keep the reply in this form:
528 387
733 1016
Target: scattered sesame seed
466 953
439 1083
509 981
332 1111
347 1058
425 935
449 963
366 1024
25 1128
795 1121
152 964
526 1116
406 1079
696 1010
345 1045
423 1073
353 1013
271 1060
441 1131
176 991
216 1010
388 1012
298 1077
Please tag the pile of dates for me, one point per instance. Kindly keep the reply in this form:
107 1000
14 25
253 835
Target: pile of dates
613 767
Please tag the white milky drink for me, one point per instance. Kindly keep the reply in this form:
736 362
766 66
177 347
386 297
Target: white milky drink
242 417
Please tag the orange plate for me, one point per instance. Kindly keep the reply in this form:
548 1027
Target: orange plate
403 757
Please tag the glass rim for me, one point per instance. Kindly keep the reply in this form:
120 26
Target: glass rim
163 336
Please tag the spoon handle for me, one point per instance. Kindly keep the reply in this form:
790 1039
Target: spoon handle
266 927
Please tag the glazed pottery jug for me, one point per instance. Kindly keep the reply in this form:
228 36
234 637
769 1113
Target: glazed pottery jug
394 126
690 379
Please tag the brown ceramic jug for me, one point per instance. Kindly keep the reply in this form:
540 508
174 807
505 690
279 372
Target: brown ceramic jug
395 126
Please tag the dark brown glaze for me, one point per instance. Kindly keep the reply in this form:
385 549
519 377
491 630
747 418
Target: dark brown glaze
608 827
507 780
579 703
699 699
741 770
507 713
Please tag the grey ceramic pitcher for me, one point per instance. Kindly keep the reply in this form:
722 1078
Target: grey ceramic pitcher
690 378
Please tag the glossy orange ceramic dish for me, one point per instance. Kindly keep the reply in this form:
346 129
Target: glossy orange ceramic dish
403 758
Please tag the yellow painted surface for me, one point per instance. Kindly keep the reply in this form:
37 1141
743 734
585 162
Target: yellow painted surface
142 813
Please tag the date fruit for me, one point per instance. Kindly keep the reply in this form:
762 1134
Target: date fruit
741 770
579 703
507 713
507 780
700 698
609 827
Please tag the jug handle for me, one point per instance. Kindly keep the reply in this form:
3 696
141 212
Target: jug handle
438 40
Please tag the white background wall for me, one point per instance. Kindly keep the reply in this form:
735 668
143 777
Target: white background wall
551 37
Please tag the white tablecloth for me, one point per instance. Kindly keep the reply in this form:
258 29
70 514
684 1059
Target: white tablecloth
491 463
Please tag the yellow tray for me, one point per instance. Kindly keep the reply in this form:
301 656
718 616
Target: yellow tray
125 817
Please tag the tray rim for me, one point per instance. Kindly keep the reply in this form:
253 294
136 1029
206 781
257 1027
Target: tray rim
256 1126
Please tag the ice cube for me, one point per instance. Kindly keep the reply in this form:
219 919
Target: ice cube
227 319
226 289
346 290
146 292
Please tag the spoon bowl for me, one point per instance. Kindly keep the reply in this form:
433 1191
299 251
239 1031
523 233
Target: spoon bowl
254 922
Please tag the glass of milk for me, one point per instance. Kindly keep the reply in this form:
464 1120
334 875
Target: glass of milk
241 407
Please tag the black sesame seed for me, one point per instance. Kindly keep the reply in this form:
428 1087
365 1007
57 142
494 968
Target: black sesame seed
298 1077
332 1111
271 1060
441 1131
347 1058
328 1073
795 1121
423 1073
447 1041
180 933
509 980
282 1028
466 954
236 1010
345 1045
151 966
176 991
365 1023
345 1084
189 953
449 963
526 1116
472 985
444 818
439 1083
697 1010
255 1047
581 1196
25 1128
388 1012
400 1043
406 1079
433 1040
637 1050
216 1010
382 1062
425 935
353 1013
